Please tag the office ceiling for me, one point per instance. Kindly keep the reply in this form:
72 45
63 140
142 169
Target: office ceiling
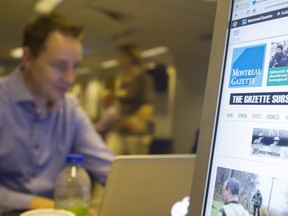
177 24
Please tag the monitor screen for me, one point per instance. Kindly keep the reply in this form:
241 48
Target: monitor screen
248 154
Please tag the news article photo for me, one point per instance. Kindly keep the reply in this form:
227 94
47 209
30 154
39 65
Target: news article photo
278 64
269 143
256 194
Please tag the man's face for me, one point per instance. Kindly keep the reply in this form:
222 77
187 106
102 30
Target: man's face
124 59
53 71
225 195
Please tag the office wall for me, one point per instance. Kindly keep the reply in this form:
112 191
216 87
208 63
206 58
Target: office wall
189 93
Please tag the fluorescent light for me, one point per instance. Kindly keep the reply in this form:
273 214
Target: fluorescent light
46 6
144 54
154 52
109 64
16 52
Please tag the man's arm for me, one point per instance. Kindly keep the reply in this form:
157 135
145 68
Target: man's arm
253 198
107 120
12 200
97 157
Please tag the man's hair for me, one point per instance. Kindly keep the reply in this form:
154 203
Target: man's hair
132 51
234 186
37 31
280 47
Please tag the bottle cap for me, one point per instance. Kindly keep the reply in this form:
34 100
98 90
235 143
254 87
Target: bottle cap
74 158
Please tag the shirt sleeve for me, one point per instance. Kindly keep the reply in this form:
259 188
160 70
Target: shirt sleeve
8 198
107 120
97 157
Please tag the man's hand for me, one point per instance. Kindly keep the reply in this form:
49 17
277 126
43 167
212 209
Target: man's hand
134 124
41 202
92 212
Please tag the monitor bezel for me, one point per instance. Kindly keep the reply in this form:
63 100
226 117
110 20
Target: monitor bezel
210 108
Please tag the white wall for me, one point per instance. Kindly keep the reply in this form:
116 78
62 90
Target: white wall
190 86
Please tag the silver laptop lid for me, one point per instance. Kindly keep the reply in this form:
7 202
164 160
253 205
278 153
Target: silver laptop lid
147 184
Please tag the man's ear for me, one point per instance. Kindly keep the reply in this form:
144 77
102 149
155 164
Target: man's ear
229 191
27 56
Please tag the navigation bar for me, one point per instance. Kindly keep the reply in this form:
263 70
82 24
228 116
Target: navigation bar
277 14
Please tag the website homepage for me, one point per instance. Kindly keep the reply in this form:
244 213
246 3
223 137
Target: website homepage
251 144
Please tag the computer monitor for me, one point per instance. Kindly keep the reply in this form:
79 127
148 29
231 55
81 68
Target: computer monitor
243 132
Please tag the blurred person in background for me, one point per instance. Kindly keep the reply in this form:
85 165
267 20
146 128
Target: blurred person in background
39 123
134 92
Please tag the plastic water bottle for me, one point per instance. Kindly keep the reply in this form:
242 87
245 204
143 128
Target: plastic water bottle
73 187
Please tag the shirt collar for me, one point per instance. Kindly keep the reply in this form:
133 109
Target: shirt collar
21 94
235 202
18 88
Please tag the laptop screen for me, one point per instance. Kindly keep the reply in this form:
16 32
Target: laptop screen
250 141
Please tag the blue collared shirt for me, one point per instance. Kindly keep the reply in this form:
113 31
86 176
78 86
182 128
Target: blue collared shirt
34 146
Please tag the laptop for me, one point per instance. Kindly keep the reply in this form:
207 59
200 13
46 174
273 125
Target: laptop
147 185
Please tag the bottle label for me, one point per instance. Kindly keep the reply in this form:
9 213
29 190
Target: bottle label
78 207
78 211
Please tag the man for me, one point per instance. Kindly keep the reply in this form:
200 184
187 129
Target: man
279 59
257 203
39 123
232 206
259 140
276 141
275 147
